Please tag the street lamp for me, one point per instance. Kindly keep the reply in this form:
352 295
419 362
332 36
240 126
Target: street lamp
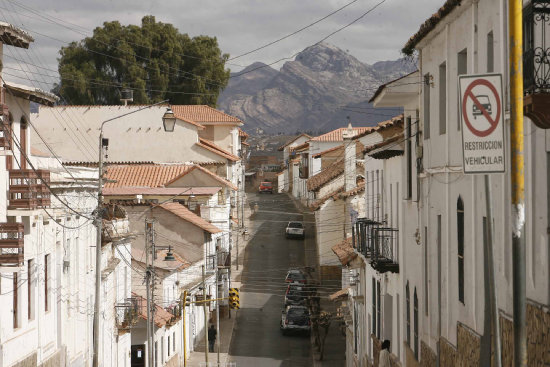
168 120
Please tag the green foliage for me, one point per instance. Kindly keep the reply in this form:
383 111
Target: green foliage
154 60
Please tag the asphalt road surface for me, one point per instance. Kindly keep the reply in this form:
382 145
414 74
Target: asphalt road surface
257 339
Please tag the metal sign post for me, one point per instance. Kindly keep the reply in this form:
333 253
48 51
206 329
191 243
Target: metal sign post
482 117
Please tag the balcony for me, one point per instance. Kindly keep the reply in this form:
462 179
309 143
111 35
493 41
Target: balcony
363 236
127 314
536 62
220 260
5 141
12 244
28 189
385 250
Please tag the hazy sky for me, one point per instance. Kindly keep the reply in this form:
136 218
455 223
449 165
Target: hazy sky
239 25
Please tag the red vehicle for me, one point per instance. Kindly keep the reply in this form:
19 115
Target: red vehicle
266 187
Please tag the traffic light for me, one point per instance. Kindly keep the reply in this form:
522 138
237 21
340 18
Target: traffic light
234 298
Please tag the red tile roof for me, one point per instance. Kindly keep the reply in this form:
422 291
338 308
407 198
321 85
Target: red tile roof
388 148
160 191
314 183
429 25
344 251
207 144
204 114
396 121
187 215
333 195
359 188
337 135
161 316
338 147
243 134
144 175
204 170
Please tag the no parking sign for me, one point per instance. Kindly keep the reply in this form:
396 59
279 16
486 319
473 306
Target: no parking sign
482 116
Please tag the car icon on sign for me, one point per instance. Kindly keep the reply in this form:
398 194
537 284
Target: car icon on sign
484 101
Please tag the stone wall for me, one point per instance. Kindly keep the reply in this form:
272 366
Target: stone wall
58 359
538 337
174 361
377 347
427 356
469 346
449 355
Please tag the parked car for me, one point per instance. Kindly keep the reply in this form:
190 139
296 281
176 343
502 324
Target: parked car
295 276
266 187
295 319
295 229
296 294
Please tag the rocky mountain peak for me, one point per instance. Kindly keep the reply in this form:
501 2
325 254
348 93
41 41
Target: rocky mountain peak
326 57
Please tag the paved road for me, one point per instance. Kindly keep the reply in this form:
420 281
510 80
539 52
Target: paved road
257 340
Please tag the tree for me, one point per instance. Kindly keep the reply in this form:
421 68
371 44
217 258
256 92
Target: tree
154 60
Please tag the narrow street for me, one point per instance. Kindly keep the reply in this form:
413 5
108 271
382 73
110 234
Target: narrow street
257 340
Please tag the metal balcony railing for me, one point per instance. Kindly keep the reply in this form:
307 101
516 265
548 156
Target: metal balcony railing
127 314
219 260
12 244
385 250
363 236
28 189
5 141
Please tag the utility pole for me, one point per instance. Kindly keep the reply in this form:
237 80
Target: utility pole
217 307
99 226
205 317
148 228
518 181
183 308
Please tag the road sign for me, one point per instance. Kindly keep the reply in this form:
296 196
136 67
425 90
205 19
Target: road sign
482 115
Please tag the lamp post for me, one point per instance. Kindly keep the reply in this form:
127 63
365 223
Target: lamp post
169 121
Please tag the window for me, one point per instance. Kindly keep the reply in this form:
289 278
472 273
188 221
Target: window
30 290
378 309
15 301
168 349
174 341
490 52
427 85
461 68
460 244
415 324
409 157
408 316
46 281
156 354
374 323
426 271
442 99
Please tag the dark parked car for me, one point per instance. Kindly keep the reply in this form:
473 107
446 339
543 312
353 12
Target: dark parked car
296 294
295 319
295 276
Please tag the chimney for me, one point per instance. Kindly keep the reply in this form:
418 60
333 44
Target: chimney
349 159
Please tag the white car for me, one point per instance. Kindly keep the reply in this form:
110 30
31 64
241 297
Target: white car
295 229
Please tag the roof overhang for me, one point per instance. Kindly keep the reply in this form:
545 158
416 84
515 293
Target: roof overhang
31 93
399 92
14 36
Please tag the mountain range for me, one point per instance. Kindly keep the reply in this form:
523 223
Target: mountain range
315 92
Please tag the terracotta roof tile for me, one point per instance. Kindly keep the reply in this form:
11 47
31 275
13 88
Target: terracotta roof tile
187 215
360 188
162 317
144 175
207 172
207 144
243 134
396 121
314 183
333 195
160 191
204 114
429 25
338 147
344 251
337 135
393 147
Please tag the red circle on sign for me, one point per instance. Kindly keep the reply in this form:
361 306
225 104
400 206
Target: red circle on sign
468 94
